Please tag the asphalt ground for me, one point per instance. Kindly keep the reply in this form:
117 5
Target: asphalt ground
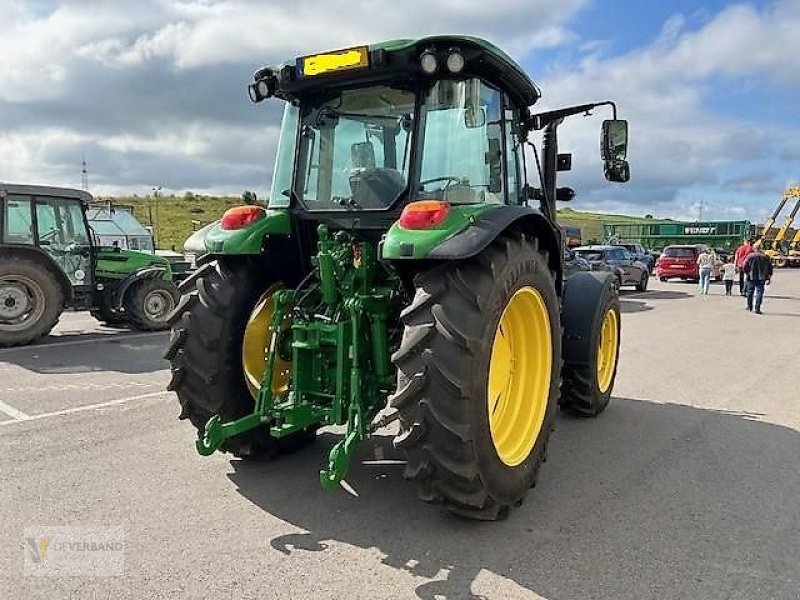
688 486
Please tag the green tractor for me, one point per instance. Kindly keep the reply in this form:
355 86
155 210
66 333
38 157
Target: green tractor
49 261
404 272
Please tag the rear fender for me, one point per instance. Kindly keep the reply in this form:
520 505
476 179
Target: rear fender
248 240
122 287
471 232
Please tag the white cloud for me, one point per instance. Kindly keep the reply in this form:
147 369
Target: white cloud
678 138
154 89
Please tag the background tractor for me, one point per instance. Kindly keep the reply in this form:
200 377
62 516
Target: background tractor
404 272
49 261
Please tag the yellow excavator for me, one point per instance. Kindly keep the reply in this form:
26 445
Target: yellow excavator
773 247
794 249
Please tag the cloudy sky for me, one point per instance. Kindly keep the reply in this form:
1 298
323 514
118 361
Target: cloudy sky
152 92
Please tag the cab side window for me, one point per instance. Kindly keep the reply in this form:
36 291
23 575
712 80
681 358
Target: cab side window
17 220
513 151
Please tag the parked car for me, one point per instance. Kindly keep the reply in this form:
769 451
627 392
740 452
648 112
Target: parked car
640 253
679 261
574 263
619 261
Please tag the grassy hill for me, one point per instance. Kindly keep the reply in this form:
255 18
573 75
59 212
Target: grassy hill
174 218
591 224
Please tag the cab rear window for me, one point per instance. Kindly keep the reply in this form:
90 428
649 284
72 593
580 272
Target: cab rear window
678 252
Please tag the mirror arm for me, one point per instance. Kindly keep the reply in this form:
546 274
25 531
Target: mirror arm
543 119
549 167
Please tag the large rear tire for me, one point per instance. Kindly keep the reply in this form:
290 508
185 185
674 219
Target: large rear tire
30 301
478 376
207 359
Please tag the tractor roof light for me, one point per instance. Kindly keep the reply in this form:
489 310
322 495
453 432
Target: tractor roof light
424 214
455 61
428 62
262 89
240 217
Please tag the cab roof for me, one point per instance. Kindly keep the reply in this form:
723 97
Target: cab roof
43 190
399 59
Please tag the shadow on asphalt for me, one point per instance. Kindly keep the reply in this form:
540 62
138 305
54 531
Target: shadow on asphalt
102 352
634 305
647 501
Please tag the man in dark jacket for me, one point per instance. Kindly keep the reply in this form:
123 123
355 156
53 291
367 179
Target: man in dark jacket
758 267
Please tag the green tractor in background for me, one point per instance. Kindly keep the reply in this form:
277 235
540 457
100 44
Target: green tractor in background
49 261
404 272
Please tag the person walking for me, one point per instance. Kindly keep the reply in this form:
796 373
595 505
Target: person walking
758 267
728 276
706 263
741 254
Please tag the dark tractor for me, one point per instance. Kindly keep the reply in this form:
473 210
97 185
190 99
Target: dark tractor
50 261
405 271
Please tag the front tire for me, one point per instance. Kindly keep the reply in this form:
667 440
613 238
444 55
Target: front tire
149 303
587 385
642 285
473 427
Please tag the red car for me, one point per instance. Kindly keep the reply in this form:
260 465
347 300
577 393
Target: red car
680 261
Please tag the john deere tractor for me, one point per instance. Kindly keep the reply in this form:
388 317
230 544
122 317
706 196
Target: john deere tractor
405 271
49 260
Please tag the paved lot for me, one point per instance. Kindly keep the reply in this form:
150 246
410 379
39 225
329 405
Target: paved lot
687 487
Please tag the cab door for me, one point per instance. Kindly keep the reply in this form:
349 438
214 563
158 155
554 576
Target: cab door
62 232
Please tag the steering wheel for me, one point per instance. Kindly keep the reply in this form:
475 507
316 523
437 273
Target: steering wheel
447 178
46 237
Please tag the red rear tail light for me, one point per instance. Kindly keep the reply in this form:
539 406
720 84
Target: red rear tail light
240 217
424 214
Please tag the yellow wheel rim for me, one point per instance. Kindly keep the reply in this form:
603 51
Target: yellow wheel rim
607 350
520 371
255 346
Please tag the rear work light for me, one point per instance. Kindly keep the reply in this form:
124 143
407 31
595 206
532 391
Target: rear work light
240 217
424 214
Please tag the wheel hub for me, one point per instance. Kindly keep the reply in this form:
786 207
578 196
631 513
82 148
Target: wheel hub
157 304
14 301
607 350
520 370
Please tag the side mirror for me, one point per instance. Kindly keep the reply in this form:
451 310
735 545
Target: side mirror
474 117
614 144
617 171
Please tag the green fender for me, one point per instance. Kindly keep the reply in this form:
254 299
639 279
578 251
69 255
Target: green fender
467 230
250 239
116 263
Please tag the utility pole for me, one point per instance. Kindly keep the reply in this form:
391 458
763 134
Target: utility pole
84 175
156 191
700 211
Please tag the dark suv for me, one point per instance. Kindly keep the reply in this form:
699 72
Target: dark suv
640 253
619 261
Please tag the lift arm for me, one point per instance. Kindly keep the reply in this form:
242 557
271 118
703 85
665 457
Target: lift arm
771 221
793 192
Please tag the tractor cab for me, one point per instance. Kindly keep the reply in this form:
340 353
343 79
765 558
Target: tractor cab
371 129
51 220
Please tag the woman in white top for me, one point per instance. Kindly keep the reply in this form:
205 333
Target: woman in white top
706 263
728 275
